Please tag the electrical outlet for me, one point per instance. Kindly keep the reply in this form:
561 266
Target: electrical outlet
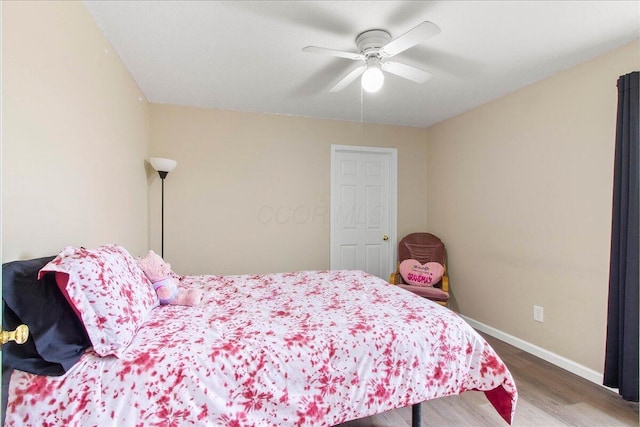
538 313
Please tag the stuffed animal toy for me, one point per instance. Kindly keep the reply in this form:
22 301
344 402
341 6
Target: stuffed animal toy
165 284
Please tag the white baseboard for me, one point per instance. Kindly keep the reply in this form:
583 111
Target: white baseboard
563 362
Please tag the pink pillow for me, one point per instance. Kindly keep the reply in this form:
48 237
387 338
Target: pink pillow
111 295
418 274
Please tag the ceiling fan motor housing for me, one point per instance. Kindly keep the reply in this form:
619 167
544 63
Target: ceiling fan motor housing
370 42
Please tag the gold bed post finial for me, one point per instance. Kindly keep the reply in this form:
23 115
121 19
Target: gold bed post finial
20 335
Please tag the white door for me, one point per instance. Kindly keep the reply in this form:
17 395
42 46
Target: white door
363 209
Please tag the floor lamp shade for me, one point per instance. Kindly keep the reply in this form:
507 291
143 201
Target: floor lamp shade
163 166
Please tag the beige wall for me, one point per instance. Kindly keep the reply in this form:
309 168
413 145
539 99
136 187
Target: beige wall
74 135
251 191
520 191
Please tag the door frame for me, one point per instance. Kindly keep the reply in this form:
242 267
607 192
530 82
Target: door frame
393 197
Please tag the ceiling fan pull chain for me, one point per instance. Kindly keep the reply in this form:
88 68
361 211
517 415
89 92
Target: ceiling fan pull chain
361 105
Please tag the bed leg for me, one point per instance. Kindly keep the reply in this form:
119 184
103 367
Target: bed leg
416 415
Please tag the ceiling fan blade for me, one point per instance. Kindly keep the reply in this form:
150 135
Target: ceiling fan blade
409 39
348 79
332 52
407 71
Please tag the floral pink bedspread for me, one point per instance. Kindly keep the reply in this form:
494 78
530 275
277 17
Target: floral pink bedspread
305 348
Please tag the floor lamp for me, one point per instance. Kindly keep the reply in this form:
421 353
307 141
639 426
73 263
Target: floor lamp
163 166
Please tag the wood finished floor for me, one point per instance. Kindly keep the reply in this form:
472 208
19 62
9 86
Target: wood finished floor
547 396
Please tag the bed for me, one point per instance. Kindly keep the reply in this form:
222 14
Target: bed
308 348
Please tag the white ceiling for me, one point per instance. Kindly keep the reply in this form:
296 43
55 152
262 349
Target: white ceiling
246 56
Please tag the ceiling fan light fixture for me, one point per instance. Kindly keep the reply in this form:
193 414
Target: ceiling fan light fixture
372 78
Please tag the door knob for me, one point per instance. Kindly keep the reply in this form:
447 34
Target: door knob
385 237
20 335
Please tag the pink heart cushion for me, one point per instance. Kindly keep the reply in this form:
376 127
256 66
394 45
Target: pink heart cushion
418 274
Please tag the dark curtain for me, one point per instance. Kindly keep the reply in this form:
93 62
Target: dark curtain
621 360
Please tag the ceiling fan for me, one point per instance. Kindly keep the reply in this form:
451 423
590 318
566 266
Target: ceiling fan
375 47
